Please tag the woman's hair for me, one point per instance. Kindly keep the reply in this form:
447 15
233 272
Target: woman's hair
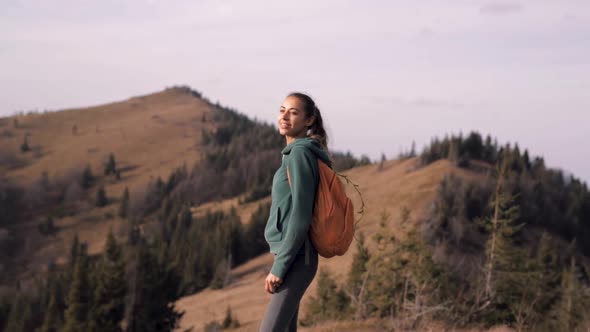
316 130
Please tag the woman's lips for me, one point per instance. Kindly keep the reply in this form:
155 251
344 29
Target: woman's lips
284 125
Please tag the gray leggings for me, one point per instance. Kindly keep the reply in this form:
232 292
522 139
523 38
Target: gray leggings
283 308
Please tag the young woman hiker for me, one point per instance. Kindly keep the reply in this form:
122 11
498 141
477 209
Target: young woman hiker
296 260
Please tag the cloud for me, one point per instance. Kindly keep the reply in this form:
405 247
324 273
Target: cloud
500 8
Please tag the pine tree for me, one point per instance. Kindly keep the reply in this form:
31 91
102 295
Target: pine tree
330 302
404 280
109 294
511 278
171 220
384 286
526 160
124 207
574 299
488 150
501 228
229 234
543 284
25 146
78 300
44 181
51 318
453 151
46 226
87 178
20 317
229 322
74 252
4 310
221 276
111 165
153 294
237 249
101 197
189 283
516 160
382 162
165 209
357 278
256 243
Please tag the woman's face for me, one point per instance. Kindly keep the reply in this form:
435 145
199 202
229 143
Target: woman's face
291 119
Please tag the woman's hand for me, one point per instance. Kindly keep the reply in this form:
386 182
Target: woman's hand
271 283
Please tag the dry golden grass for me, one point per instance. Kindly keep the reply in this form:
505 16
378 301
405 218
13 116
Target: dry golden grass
244 211
154 133
375 325
149 135
398 184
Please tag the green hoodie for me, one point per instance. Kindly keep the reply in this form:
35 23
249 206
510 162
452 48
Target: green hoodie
292 206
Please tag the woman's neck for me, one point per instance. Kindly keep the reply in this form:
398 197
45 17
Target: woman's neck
291 139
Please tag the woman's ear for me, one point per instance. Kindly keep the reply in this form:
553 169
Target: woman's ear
310 121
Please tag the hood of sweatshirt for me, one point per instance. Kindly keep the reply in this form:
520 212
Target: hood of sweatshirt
311 144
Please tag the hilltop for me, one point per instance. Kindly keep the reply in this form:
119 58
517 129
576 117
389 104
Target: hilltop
149 136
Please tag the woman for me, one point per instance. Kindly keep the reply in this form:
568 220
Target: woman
296 260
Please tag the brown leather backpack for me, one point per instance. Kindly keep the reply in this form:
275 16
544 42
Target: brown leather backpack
332 227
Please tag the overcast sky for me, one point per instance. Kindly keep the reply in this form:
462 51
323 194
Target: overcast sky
384 73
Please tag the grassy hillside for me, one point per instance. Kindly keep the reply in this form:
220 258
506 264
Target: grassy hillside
397 184
511 224
149 136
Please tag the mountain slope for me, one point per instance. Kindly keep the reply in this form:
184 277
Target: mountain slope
149 135
397 184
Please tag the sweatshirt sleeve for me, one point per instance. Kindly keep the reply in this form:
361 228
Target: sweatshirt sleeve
303 170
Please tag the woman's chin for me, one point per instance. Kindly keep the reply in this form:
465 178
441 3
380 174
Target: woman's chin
289 132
